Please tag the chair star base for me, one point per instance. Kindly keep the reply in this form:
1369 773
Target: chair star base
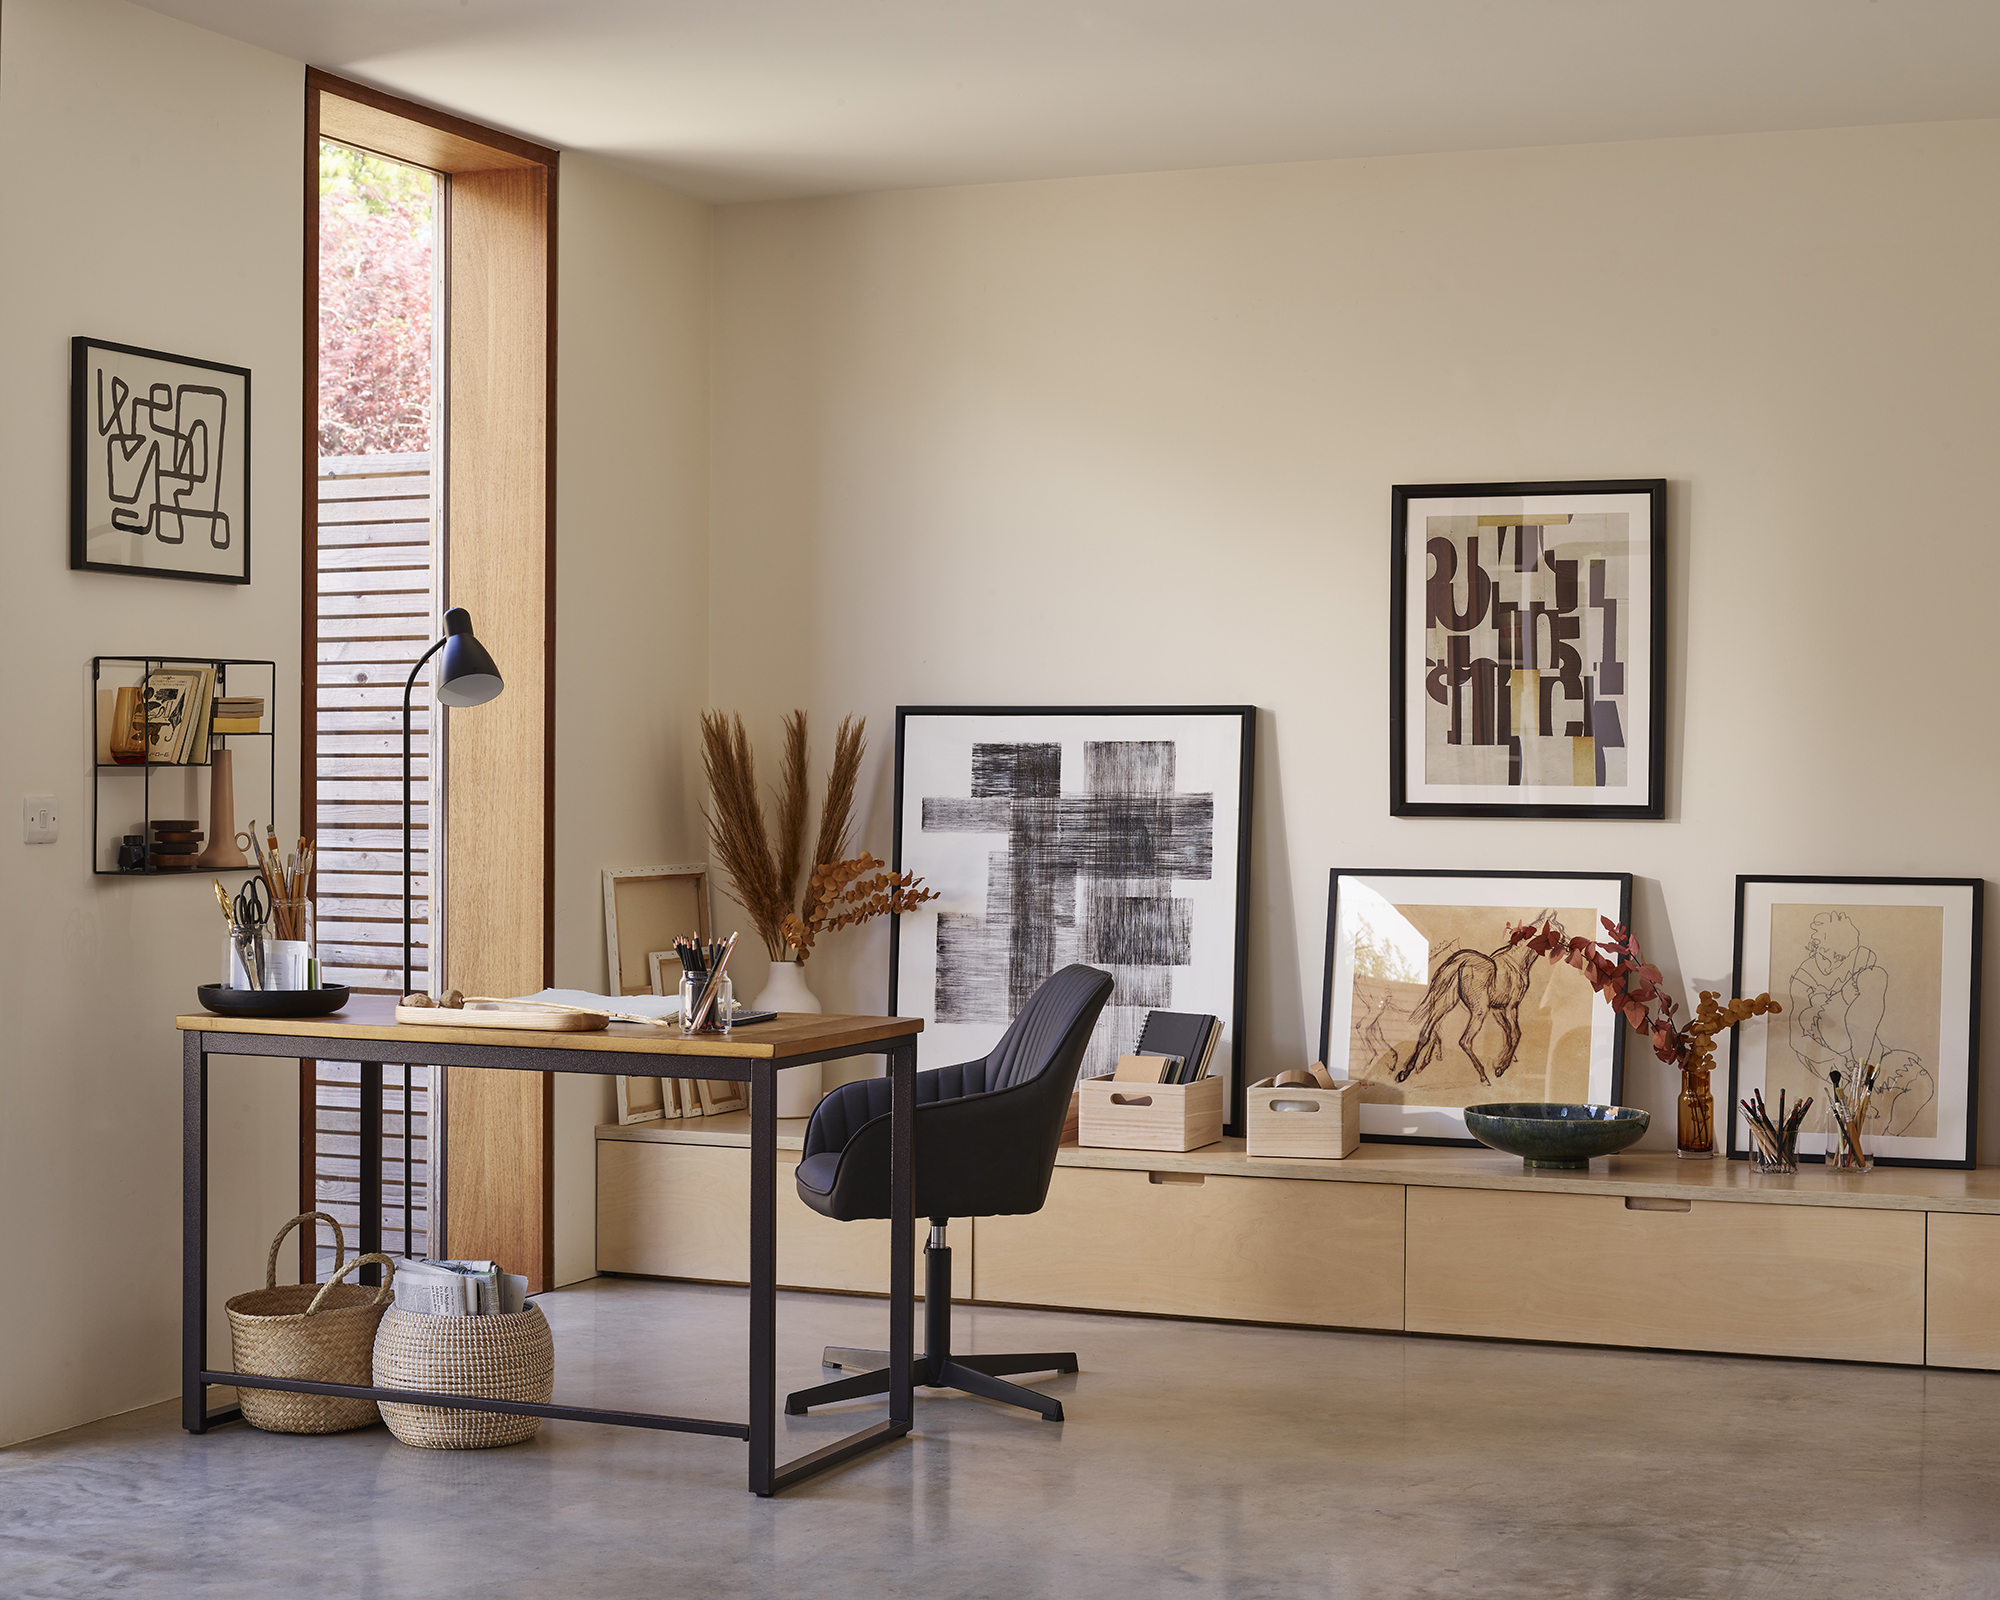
937 1368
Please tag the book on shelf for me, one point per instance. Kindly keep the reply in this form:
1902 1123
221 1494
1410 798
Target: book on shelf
1188 1035
239 713
171 702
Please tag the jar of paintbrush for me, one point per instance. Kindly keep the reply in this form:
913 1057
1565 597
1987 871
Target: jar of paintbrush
1774 1137
1849 1147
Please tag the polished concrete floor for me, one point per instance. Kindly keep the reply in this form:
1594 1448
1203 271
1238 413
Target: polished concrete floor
1197 1460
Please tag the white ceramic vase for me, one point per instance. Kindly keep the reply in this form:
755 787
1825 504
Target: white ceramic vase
798 1087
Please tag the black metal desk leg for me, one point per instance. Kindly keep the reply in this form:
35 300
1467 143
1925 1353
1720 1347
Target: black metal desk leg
194 1232
902 1227
763 1278
371 1168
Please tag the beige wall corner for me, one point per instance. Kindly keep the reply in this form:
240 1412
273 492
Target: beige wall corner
631 586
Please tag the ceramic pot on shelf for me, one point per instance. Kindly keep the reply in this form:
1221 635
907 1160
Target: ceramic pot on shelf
798 1087
1695 1117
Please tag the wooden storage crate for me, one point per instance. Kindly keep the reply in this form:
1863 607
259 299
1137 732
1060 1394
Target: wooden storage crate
1323 1123
1150 1116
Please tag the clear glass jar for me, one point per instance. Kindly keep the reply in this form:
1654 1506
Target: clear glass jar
1849 1146
721 1012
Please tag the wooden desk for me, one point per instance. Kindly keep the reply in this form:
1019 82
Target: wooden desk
367 1031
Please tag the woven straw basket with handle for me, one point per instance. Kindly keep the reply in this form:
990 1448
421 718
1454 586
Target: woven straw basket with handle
506 1357
322 1332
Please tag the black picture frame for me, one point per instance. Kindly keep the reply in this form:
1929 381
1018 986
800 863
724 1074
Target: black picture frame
124 480
1244 719
1602 1016
1954 1078
1652 738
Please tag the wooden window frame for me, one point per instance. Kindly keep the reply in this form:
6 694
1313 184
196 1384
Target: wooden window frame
497 440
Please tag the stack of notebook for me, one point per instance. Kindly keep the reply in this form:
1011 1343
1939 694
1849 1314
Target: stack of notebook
1185 1035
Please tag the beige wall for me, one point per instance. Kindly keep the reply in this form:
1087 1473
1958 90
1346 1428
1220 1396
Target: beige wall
631 586
1132 439
150 176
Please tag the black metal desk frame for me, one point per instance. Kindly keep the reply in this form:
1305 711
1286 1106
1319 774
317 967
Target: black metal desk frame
767 1477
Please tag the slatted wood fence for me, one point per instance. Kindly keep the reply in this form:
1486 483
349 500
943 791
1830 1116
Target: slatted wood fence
377 516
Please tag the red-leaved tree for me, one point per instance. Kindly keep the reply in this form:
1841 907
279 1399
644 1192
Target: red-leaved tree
375 259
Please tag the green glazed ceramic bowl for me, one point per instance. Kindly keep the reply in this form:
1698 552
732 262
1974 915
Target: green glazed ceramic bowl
1548 1134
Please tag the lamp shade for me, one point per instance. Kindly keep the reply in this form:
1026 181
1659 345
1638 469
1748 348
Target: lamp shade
466 674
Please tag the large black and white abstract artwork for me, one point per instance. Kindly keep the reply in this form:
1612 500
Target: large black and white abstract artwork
1117 837
1528 649
159 464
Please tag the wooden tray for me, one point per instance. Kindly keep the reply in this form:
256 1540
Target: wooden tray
534 1018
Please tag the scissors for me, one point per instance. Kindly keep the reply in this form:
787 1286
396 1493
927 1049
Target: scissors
253 910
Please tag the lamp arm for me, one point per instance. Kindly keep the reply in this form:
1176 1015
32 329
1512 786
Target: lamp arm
409 688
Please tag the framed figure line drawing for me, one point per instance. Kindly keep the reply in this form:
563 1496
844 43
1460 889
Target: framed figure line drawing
1115 836
1872 972
1430 1004
1527 649
159 464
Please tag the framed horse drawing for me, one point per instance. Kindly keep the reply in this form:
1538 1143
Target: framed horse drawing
1429 1003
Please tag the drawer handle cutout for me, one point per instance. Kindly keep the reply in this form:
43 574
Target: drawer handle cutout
1641 1202
1197 1179
1131 1099
1295 1105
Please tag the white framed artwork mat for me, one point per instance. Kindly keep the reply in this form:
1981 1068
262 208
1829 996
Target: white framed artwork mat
1878 973
1433 1007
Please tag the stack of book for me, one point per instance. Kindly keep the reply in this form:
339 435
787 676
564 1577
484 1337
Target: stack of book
1186 1039
177 708
239 713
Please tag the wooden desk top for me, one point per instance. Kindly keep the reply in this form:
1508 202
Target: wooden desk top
371 1016
1649 1174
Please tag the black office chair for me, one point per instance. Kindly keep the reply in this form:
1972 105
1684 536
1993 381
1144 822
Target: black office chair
986 1134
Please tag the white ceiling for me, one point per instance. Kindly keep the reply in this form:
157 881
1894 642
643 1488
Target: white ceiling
766 99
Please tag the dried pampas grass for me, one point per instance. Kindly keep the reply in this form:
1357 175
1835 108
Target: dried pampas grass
763 871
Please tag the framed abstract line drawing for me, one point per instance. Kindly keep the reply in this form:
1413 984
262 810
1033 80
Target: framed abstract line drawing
1429 1004
159 464
1116 836
1880 972
1527 649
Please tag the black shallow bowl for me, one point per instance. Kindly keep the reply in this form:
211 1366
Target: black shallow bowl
1555 1134
273 1002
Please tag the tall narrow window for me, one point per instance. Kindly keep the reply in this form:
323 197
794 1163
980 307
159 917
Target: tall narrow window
430 426
377 609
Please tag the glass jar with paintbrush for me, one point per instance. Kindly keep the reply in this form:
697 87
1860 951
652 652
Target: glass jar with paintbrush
1849 1147
708 998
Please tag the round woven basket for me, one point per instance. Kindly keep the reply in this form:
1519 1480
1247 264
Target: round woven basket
324 1332
506 1357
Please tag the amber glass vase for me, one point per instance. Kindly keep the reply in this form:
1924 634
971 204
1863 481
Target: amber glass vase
1696 1115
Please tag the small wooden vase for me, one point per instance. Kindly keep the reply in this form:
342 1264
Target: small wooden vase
222 854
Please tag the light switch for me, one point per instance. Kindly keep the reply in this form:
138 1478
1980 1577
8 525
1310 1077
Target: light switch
38 819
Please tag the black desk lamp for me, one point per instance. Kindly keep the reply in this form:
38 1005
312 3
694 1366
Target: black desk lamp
467 678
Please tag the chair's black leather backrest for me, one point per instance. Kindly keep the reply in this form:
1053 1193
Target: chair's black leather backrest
987 1131
1037 1039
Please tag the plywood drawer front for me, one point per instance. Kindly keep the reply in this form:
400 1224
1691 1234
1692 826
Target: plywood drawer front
1963 1305
673 1210
1760 1279
1262 1249
683 1211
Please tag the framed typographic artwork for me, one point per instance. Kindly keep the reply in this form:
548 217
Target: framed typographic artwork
1527 666
159 464
1116 836
1430 1004
1879 978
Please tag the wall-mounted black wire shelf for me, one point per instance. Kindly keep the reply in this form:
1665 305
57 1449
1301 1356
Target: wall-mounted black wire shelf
138 669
